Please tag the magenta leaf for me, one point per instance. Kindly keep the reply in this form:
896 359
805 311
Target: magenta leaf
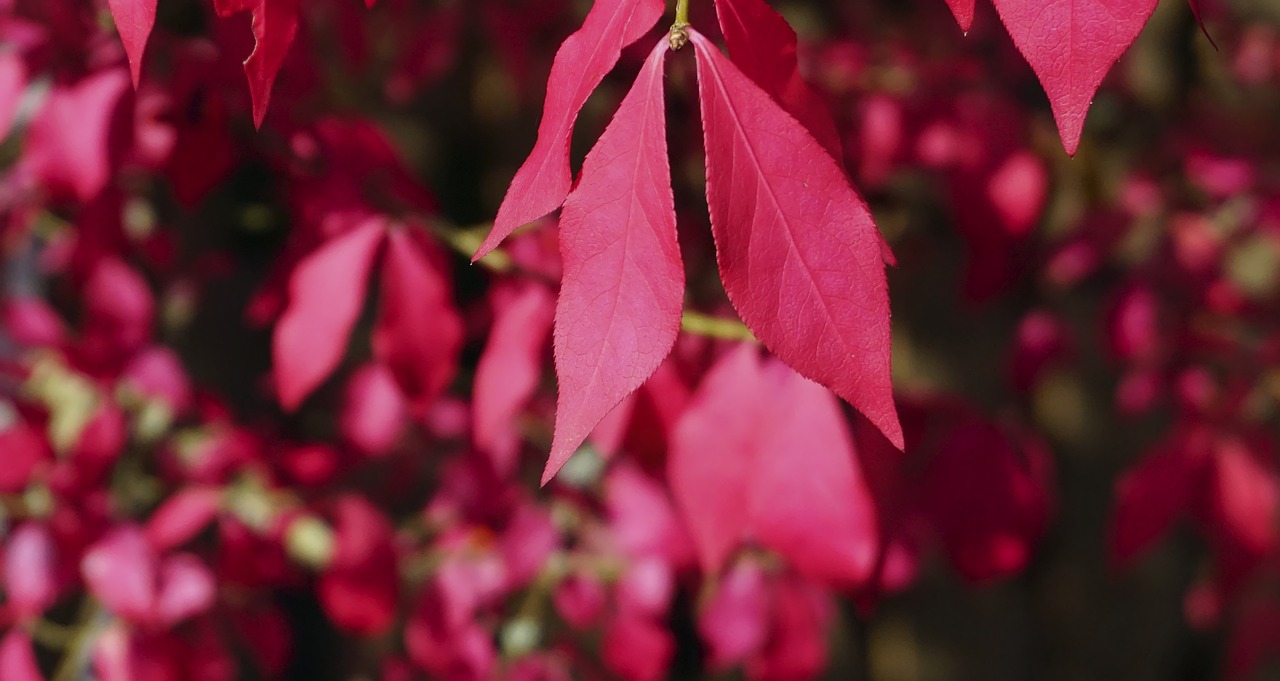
543 182
798 251
619 309
419 333
18 657
186 589
30 570
275 24
326 292
764 455
1071 44
963 10
134 20
763 45
68 144
508 371
120 570
1153 494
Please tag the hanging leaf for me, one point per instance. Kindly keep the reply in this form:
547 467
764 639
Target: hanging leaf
543 182
798 251
621 296
134 21
763 45
1071 44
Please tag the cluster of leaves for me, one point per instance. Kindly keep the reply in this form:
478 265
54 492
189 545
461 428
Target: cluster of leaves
184 487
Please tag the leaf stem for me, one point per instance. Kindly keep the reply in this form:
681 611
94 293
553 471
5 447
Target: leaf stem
679 34
719 328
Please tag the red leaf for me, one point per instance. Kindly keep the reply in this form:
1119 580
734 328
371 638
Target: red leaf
963 9
798 251
763 45
762 454
1071 44
134 20
508 371
419 333
1153 494
275 23
543 182
620 300
1195 10
24 450
326 292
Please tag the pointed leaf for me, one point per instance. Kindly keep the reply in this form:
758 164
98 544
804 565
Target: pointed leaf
763 45
799 254
1195 11
543 182
1071 44
620 300
763 454
419 333
134 20
326 292
963 10
275 24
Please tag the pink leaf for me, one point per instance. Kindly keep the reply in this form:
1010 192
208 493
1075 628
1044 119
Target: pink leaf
187 588
67 146
620 300
763 45
636 648
762 454
419 333
275 23
120 570
1071 44
735 624
18 658
543 182
508 371
373 411
30 569
326 292
963 10
183 515
798 252
134 20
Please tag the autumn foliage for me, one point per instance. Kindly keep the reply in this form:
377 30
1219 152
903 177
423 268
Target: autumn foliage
634 339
